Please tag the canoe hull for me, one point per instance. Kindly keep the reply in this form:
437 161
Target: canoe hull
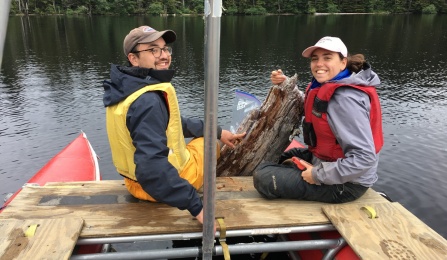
76 162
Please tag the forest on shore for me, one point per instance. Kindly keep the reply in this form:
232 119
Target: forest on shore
230 7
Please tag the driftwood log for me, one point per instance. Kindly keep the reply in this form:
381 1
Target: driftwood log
268 129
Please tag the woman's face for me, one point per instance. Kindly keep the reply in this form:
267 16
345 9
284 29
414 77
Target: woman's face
325 65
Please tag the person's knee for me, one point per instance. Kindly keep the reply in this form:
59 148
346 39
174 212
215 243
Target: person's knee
263 167
262 179
256 178
262 171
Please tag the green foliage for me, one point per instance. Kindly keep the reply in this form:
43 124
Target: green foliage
69 12
257 10
101 7
311 10
185 11
171 6
429 9
155 8
197 6
37 11
332 8
81 10
248 7
231 10
49 10
375 6
399 7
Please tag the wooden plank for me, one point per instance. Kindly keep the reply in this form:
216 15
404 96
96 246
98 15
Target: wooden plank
234 184
236 200
53 238
395 234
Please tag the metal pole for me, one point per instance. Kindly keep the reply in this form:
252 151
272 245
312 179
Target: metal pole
234 249
142 254
4 15
253 248
213 12
199 235
332 253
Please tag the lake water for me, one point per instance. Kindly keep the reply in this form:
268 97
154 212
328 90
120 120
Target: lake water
50 87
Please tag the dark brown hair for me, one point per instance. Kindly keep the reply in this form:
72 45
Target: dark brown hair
355 62
134 49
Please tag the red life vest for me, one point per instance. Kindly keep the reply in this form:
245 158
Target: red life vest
317 133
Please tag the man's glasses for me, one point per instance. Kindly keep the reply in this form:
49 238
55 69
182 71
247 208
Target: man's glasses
156 51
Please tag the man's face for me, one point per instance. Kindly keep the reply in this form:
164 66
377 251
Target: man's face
145 57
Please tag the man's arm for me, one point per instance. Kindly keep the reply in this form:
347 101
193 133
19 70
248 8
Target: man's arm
193 127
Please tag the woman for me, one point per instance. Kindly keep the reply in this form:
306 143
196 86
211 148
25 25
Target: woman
342 128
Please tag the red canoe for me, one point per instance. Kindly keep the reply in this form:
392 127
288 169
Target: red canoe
76 162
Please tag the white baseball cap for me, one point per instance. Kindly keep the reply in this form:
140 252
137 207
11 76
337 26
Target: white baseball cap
328 43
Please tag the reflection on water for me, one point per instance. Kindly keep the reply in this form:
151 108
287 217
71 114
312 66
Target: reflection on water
50 86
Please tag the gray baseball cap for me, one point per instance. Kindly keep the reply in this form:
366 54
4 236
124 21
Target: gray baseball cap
146 34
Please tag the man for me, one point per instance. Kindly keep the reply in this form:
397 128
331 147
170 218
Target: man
145 129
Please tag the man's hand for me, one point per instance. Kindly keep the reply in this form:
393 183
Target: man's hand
200 219
229 138
307 173
277 77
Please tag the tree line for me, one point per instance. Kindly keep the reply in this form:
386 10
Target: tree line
230 7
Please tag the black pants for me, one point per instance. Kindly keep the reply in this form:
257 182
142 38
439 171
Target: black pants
274 181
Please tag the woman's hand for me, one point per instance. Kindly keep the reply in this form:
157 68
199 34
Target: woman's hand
229 138
277 77
307 173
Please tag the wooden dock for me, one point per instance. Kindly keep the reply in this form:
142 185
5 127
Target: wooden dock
105 209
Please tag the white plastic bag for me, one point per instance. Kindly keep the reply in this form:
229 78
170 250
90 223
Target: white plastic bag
243 103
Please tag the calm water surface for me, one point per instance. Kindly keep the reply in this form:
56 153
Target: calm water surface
50 87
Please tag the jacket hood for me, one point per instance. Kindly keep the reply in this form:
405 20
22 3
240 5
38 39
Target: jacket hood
365 77
126 80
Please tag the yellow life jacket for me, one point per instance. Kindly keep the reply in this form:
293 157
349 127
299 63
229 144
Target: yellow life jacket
121 141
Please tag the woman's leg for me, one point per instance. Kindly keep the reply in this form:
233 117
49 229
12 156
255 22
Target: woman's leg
275 181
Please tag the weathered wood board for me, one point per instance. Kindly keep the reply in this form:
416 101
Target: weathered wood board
395 234
107 213
53 238
268 130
